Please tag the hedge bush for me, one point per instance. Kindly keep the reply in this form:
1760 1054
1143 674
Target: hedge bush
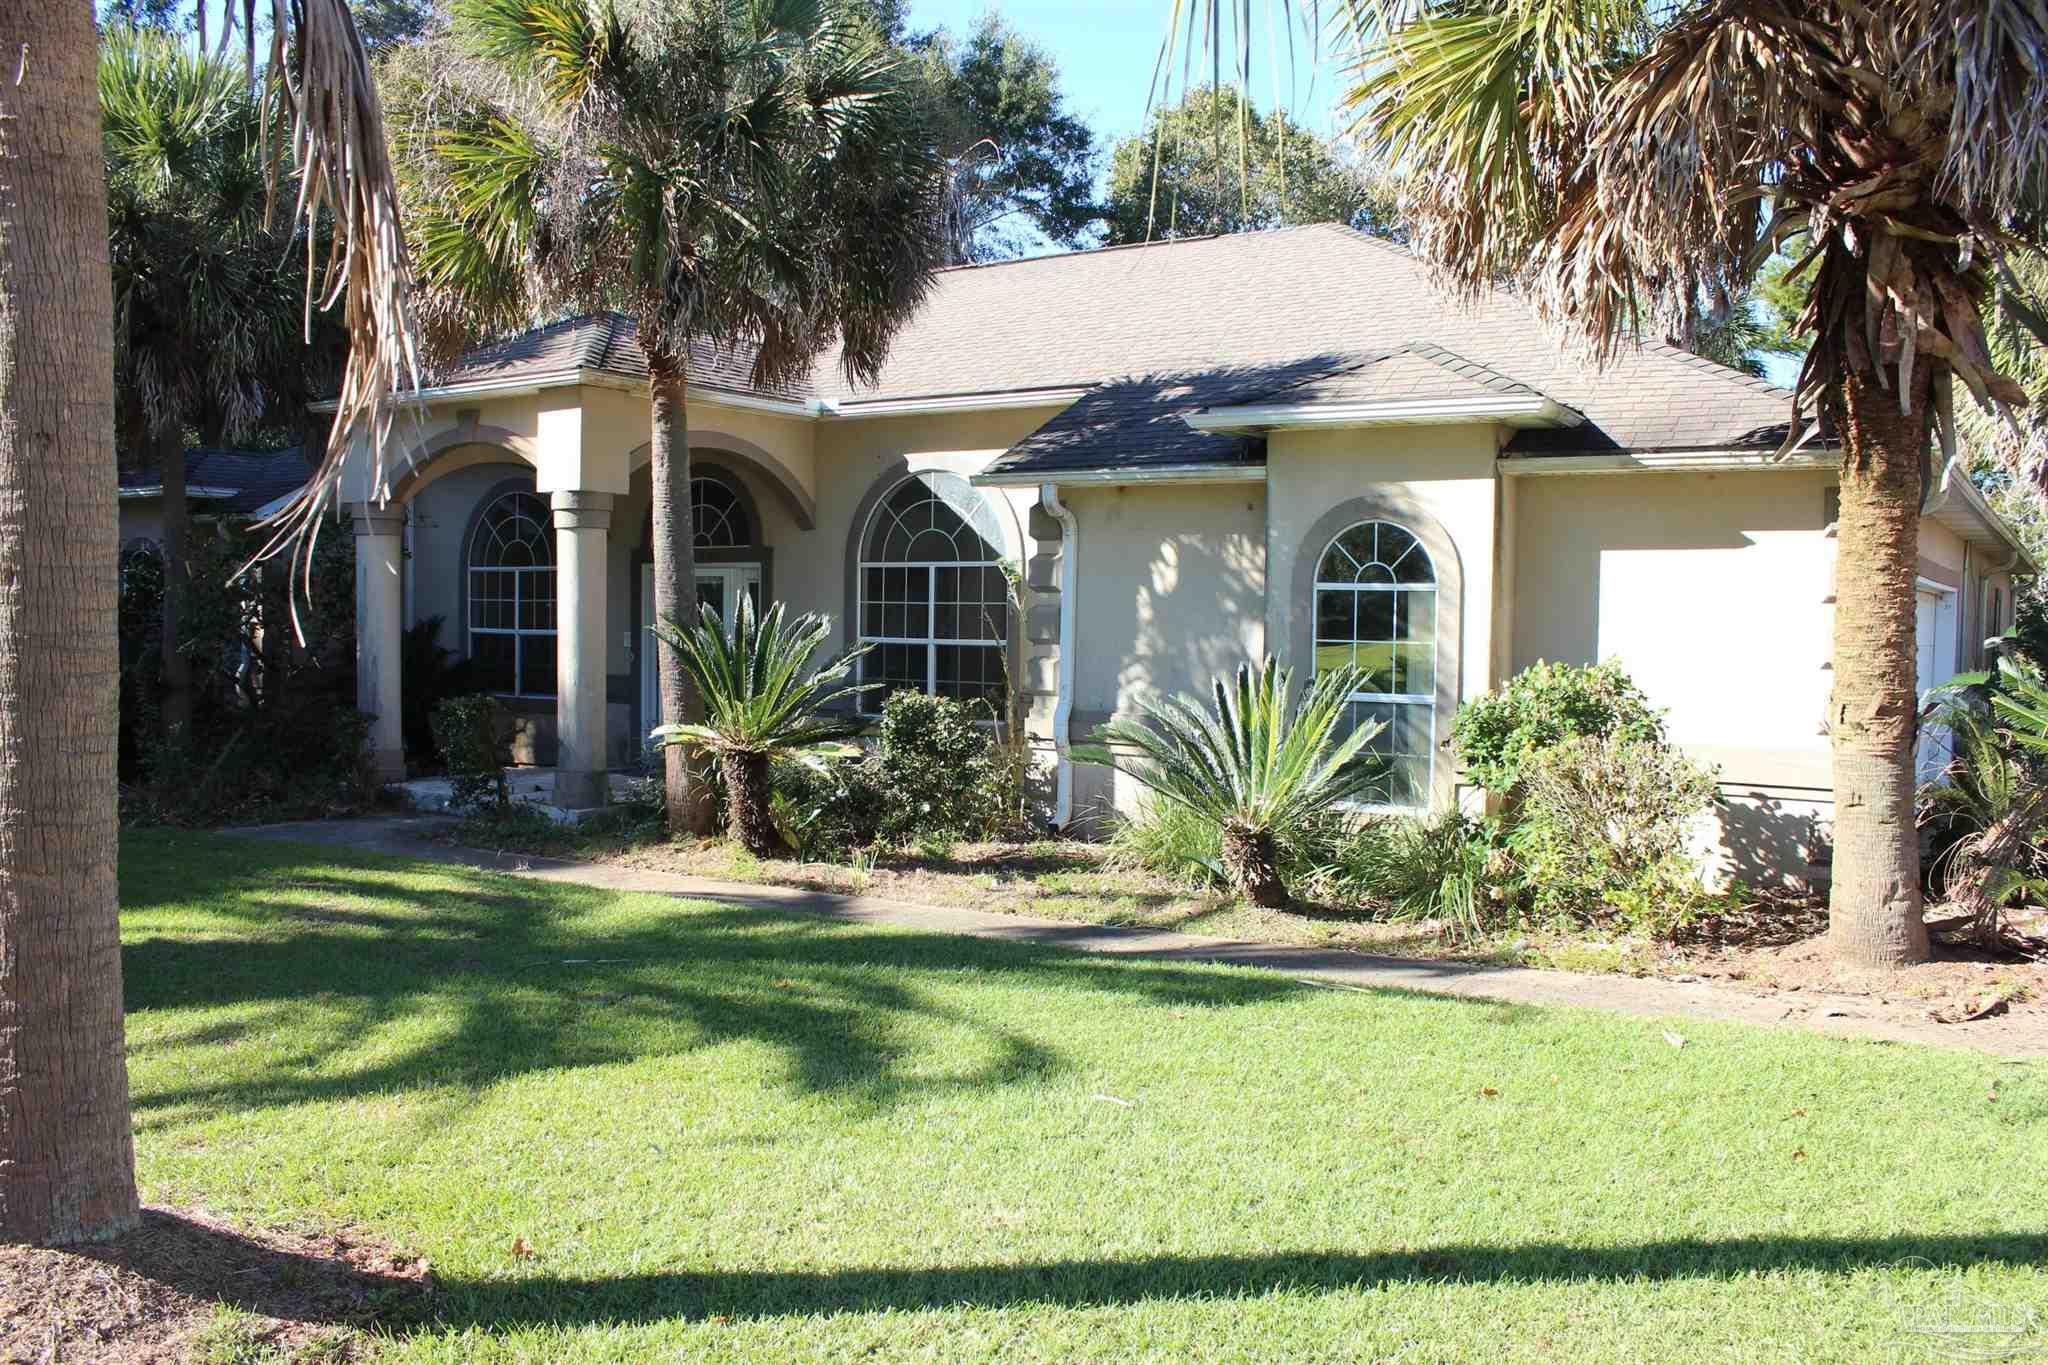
1546 704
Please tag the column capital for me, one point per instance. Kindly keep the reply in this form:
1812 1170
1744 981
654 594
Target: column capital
377 518
580 510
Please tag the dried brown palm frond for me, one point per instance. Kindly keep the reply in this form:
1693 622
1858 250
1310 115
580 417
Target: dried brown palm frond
319 80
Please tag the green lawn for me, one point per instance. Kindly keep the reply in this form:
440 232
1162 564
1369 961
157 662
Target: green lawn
734 1132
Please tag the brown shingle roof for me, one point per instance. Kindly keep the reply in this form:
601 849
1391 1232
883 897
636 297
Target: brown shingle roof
1200 322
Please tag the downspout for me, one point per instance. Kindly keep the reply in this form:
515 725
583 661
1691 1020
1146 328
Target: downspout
1063 697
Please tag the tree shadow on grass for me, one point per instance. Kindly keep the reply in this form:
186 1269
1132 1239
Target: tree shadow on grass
472 978
356 1280
567 1301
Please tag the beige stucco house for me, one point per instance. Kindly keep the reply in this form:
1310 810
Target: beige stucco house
1189 454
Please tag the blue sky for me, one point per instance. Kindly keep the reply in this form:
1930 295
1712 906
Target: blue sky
1106 51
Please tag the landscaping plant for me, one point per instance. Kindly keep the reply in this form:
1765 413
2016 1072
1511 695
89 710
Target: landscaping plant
1997 786
1600 833
466 732
1447 867
1545 704
1248 763
760 702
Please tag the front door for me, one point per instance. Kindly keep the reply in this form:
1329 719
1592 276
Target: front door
718 587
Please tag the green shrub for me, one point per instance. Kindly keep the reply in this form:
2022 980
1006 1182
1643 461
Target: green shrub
1600 830
939 768
1448 867
467 730
1497 734
1250 762
932 775
828 809
282 762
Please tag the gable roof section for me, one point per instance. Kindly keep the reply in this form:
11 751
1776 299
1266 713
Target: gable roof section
608 343
1419 370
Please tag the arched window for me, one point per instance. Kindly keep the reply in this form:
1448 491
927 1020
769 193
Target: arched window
934 599
1376 607
512 596
718 520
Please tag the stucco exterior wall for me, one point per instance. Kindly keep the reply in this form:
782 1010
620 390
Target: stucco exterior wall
1445 472
1712 589
1172 581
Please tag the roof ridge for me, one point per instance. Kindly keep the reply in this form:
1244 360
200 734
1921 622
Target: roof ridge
1109 247
1757 383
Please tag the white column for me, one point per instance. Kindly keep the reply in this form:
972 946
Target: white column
582 523
380 603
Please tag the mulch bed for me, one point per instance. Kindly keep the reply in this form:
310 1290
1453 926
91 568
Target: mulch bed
152 1295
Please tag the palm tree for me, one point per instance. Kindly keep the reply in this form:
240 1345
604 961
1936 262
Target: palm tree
759 702
67 1167
731 172
1247 765
207 302
1627 164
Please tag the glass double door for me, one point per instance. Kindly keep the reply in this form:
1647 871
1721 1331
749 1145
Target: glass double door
718 587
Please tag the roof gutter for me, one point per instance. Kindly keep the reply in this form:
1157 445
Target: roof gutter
1110 478
1682 462
848 408
803 409
1956 484
199 490
1534 410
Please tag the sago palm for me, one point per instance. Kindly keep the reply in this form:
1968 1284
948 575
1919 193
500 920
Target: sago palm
728 172
1248 763
1629 165
759 701
1998 785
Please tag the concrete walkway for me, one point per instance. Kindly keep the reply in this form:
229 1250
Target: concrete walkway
1838 1016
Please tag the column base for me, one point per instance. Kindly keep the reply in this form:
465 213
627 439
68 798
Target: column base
582 790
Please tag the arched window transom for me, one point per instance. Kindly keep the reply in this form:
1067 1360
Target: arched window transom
1376 608
934 597
718 520
512 596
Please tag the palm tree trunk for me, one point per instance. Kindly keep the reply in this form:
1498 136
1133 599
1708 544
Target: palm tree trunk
170 451
1252 859
675 589
748 814
1874 910
67 1162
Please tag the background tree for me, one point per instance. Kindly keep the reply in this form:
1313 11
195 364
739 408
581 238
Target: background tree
1022 169
1213 163
67 1164
208 294
66 1158
728 172
1623 161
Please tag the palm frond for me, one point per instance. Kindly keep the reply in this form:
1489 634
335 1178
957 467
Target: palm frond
1249 759
758 697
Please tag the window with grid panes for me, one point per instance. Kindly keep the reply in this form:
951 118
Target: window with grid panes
1376 608
512 596
934 598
